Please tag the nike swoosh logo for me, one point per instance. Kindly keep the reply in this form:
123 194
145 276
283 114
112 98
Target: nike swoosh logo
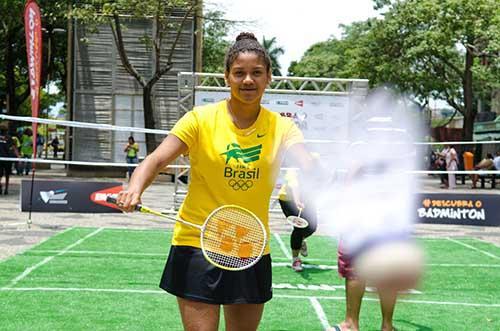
260 135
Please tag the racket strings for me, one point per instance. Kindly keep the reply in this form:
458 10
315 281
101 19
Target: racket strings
233 238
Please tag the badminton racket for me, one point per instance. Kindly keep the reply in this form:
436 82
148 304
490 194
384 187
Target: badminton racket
232 237
297 221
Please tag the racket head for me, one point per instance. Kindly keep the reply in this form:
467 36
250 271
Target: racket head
233 238
297 222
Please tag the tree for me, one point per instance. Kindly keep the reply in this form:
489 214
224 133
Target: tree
14 78
438 48
161 12
446 49
274 51
337 58
215 31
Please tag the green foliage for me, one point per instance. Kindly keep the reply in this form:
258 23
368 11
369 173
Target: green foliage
215 44
13 66
336 58
274 51
441 49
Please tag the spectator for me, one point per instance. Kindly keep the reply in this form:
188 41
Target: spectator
26 149
450 156
40 142
16 138
485 164
131 151
468 160
441 165
7 149
496 161
55 146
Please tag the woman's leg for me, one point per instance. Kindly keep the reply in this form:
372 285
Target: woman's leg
243 317
198 316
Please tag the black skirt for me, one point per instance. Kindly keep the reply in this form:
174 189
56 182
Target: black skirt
189 275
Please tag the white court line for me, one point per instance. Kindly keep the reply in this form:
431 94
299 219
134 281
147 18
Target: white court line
48 259
486 242
307 266
274 264
320 312
474 248
285 296
283 247
100 253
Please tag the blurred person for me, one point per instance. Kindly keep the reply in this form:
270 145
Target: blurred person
131 150
55 146
26 150
484 164
450 156
373 207
215 137
292 203
40 144
496 161
468 157
7 149
16 138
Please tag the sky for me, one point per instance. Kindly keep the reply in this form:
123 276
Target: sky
297 25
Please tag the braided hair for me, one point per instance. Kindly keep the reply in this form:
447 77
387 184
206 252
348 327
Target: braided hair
245 43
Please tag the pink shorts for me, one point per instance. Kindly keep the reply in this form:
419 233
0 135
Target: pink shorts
344 264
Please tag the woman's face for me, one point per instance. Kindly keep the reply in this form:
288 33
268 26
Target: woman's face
248 78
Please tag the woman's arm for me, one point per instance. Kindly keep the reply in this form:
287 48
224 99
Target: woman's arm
146 172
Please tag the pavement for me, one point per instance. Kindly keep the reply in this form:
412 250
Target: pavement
16 237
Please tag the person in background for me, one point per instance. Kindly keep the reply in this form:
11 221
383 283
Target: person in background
496 161
290 200
131 150
55 146
40 143
16 138
484 164
468 160
27 149
7 149
450 156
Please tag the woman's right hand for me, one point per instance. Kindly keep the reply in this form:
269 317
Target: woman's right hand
127 200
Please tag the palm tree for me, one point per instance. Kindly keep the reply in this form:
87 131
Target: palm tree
274 53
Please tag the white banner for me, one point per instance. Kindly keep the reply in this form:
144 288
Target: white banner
320 117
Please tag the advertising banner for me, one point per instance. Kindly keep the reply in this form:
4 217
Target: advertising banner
320 117
33 33
461 209
69 196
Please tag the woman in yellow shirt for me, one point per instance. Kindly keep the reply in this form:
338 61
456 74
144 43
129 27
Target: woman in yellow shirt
235 149
131 150
291 202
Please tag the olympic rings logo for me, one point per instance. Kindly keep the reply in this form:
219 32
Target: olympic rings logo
241 184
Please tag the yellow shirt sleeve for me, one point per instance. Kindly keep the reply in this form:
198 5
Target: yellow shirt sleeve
187 128
292 135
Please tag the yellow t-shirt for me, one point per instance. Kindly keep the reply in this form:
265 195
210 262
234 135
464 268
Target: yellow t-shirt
290 180
468 161
230 165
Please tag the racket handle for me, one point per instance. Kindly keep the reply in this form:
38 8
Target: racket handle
112 200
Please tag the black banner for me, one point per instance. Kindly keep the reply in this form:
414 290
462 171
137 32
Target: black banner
461 209
69 196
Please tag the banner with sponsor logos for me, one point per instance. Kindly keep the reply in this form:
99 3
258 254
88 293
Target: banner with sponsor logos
461 209
320 117
69 196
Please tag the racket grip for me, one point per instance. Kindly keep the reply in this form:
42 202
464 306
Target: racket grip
112 200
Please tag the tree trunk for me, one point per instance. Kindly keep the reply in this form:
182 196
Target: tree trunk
470 112
10 76
149 120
